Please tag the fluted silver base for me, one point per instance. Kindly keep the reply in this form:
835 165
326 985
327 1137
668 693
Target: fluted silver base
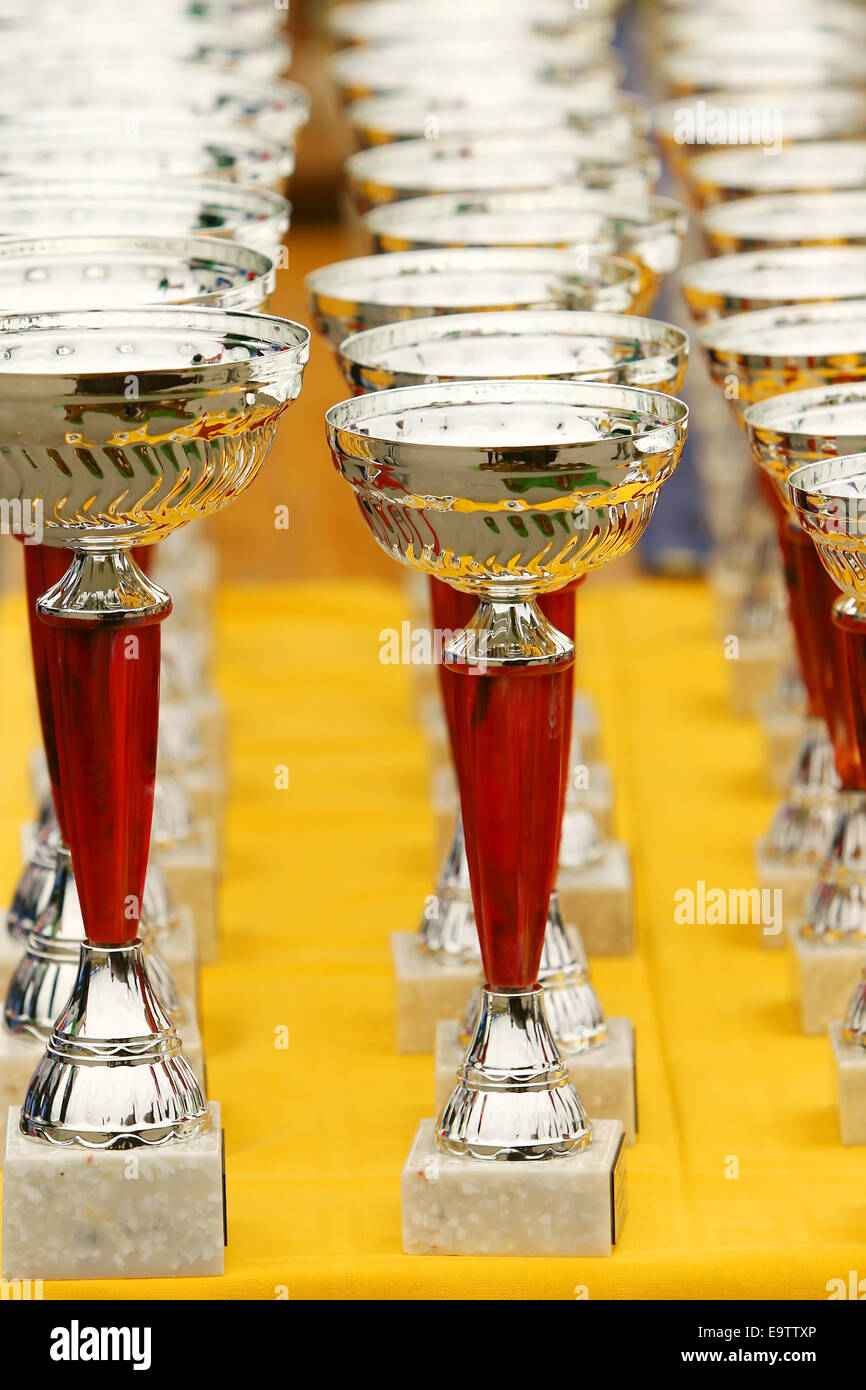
47 971
802 828
113 1075
33 889
513 1099
836 909
573 1010
854 1027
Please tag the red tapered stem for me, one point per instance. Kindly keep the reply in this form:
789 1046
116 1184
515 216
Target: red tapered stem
106 720
45 566
511 730
849 726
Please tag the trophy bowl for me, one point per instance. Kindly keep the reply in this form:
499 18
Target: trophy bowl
249 16
771 221
587 106
690 125
349 296
647 230
101 47
726 285
418 168
107 416
455 66
508 490
529 499
105 272
813 167
122 424
148 207
387 21
766 67
771 351
86 149
49 96
549 343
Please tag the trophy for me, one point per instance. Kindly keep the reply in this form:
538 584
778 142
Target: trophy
254 216
475 163
443 67
787 433
722 287
828 496
506 490
45 916
647 230
590 346
769 352
770 221
114 469
436 967
587 106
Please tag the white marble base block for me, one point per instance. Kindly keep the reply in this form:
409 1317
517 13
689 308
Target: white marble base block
563 1206
192 871
795 882
604 1076
74 1213
600 899
755 672
850 1060
427 991
19 1055
783 731
828 973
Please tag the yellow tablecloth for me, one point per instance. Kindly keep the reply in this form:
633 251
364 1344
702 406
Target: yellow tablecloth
318 874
